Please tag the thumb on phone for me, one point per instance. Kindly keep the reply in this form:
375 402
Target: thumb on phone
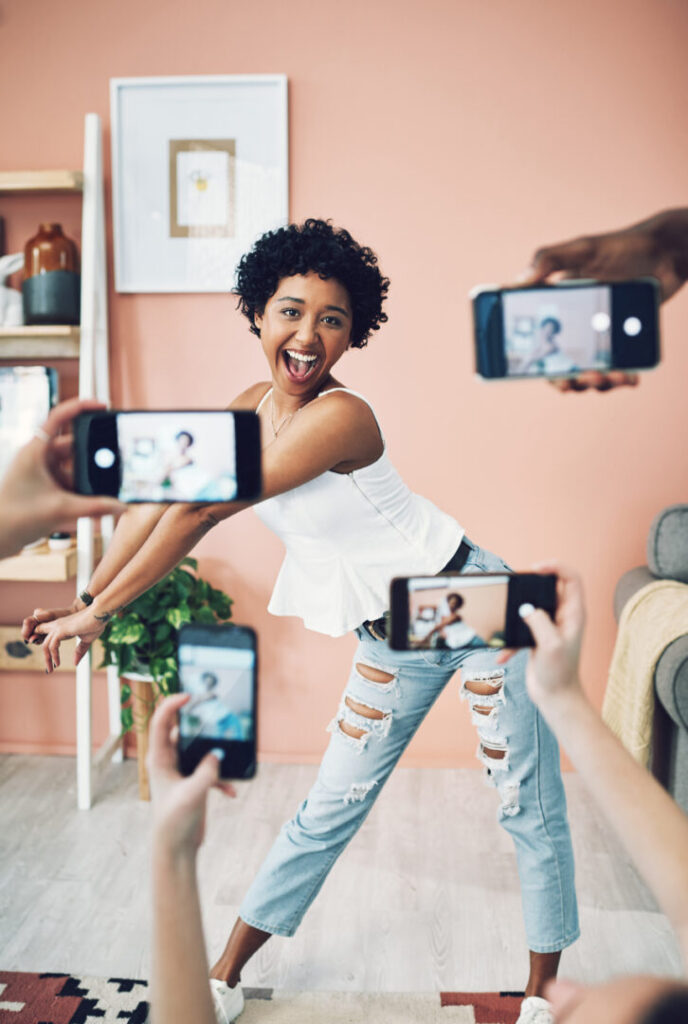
541 626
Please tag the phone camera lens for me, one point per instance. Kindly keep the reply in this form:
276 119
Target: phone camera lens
632 326
104 458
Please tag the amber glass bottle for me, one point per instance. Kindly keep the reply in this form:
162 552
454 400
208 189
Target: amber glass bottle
51 278
50 249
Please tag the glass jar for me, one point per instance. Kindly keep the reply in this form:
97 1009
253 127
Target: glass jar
51 286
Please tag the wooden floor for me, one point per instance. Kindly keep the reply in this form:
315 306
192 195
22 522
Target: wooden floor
425 898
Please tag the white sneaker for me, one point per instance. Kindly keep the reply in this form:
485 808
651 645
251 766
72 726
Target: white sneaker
535 1010
228 1002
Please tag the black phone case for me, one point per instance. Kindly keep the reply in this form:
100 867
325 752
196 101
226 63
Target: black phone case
92 430
536 588
634 298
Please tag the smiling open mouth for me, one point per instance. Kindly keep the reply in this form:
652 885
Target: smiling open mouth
300 366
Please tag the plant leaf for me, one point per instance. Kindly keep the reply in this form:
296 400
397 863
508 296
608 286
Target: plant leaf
221 604
178 616
163 632
204 614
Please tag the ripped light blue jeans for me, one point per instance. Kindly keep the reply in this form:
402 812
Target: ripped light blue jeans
525 771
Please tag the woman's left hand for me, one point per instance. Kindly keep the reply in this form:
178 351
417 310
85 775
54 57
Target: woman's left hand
84 625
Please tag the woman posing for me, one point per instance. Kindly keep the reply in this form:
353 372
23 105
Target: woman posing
349 524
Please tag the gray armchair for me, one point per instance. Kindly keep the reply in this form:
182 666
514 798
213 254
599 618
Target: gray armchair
667 558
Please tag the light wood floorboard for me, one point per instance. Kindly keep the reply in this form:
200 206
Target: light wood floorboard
425 898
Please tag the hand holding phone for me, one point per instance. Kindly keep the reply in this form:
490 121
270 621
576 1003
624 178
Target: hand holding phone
171 456
447 612
178 811
218 668
565 329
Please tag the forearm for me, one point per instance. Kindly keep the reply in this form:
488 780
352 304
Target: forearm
649 824
175 535
132 531
15 531
180 989
671 230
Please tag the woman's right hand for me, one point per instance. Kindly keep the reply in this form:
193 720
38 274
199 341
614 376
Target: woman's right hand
29 624
85 625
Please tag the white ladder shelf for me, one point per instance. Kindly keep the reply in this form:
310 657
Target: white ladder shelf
94 380
88 344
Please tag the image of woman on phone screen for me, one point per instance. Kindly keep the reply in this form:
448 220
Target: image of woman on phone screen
349 524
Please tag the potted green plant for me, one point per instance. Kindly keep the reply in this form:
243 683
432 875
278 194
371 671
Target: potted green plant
141 641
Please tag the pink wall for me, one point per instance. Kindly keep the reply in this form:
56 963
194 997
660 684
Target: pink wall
453 137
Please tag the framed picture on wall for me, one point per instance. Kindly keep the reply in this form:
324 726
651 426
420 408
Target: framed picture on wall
199 171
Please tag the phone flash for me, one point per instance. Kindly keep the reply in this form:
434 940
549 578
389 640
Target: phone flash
104 458
632 326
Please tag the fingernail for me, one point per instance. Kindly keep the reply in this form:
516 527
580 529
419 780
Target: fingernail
526 609
219 753
523 276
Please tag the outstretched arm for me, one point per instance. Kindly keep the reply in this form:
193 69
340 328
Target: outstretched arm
655 247
173 537
134 527
648 822
327 434
180 990
448 620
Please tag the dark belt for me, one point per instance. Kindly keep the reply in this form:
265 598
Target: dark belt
377 628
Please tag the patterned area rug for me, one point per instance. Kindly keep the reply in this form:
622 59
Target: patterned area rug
65 999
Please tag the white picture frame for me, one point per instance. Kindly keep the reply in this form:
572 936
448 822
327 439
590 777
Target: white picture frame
199 172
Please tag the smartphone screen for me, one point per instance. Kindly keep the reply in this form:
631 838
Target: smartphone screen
169 456
451 612
217 666
557 334
561 330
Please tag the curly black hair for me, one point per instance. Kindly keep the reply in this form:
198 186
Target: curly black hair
556 324
330 252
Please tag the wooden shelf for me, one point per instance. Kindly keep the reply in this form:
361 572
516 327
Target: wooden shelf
44 565
41 181
40 342
16 656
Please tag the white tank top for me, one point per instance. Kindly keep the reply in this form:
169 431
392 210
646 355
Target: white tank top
347 535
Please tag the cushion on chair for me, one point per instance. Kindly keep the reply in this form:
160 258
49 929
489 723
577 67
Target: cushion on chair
667 544
671 680
631 581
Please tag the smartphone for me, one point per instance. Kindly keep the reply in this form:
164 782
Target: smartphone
446 612
218 666
562 329
168 456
